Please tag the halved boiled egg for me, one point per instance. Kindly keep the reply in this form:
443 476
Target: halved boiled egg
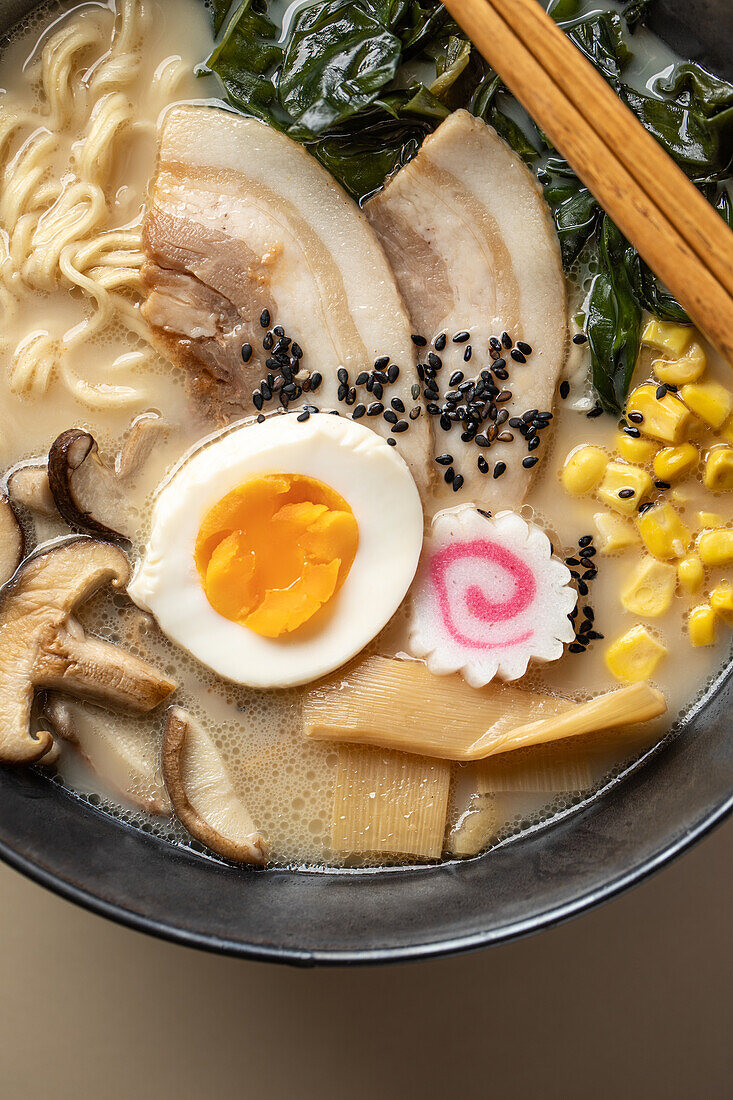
279 550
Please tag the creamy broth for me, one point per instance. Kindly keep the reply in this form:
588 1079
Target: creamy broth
287 781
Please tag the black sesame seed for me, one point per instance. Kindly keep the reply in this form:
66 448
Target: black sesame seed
544 416
456 377
524 348
499 469
461 337
343 376
315 380
393 373
261 418
414 413
414 391
564 389
505 395
589 574
636 417
444 459
361 378
419 341
370 383
501 374
392 442
502 416
257 399
499 364
401 426
449 474
397 404
311 408
661 391
377 390
572 561
296 351
375 408
351 396
457 482
586 540
268 341
265 391
576 647
594 412
342 391
467 353
445 422
580 338
506 340
494 344
529 462
515 422
595 636
518 357
381 362
358 412
432 408
533 443
483 441
590 552
482 464
390 417
625 494
305 415
505 437
440 342
265 318
246 353
582 588
434 360
645 506
632 432
381 376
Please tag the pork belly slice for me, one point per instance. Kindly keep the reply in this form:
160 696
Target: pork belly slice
242 220
472 244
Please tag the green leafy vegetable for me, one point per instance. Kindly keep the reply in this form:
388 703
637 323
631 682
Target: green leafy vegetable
362 83
338 59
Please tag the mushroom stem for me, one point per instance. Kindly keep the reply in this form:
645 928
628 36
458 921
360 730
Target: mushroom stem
73 662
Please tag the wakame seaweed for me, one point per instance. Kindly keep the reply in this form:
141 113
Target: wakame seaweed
362 82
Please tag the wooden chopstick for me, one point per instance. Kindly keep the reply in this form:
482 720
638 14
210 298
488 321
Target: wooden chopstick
653 232
653 168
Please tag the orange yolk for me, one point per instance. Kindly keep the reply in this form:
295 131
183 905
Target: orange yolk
272 552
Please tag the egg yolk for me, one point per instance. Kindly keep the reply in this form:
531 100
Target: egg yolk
272 552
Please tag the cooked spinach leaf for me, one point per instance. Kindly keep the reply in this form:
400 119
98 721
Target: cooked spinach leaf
338 59
244 57
613 322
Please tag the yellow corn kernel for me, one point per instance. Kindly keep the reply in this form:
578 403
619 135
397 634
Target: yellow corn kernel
688 368
633 482
614 533
583 469
701 625
672 463
663 532
691 573
721 601
718 475
715 547
665 418
726 432
650 589
667 336
710 519
710 401
635 655
634 450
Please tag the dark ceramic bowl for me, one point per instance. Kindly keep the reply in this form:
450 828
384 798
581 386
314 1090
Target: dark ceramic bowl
654 812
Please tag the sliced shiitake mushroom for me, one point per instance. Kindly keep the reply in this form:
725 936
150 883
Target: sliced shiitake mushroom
145 431
120 760
28 486
11 541
202 793
43 645
86 493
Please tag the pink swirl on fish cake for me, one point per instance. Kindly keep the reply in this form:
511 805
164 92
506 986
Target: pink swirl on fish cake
478 604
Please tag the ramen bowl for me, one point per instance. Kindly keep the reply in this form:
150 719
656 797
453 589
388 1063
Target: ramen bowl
651 812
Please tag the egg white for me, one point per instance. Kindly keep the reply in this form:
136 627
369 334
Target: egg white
352 460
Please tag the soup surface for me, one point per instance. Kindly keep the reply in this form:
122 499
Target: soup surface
87 91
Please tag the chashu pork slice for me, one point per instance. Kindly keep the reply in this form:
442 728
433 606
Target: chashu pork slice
242 220
472 244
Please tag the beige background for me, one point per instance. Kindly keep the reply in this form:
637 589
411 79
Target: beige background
631 1000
